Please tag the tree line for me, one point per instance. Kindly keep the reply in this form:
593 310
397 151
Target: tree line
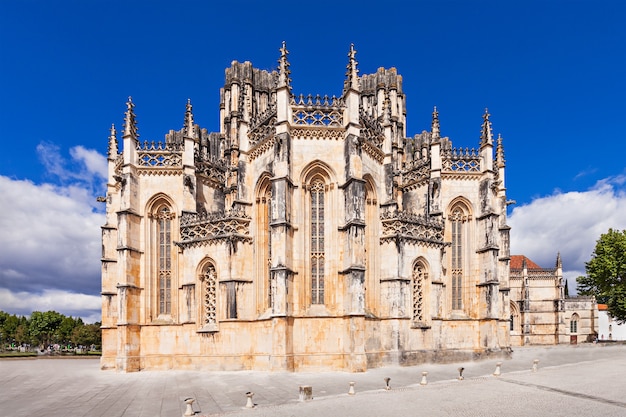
43 329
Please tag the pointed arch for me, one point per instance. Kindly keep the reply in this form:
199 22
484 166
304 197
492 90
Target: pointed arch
263 241
372 236
573 323
419 280
318 168
161 234
318 181
458 216
515 325
207 294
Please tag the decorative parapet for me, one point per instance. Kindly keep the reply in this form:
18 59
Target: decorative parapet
371 130
317 111
263 145
411 228
263 117
262 132
415 172
213 228
214 171
534 274
159 154
460 160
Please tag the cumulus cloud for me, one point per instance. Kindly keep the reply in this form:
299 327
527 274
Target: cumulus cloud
569 223
22 303
50 236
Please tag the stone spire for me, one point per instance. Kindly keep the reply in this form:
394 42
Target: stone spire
352 73
435 132
559 263
113 143
188 125
500 153
486 136
130 122
283 67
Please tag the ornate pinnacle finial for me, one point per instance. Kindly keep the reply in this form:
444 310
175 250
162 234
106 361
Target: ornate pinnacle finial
188 126
113 142
486 137
435 126
500 152
559 263
352 73
130 122
283 67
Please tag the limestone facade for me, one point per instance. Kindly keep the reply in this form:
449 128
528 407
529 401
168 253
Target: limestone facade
308 233
541 313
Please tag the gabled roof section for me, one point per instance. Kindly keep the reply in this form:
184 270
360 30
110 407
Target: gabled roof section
517 261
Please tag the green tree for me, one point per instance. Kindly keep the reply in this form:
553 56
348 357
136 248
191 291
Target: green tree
63 333
8 326
87 335
43 326
606 273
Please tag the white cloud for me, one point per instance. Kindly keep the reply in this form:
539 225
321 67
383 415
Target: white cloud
569 223
86 306
50 237
86 169
92 160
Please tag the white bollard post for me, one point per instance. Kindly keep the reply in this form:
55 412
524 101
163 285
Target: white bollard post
461 374
189 410
306 392
424 381
387 386
535 365
497 371
249 403
351 390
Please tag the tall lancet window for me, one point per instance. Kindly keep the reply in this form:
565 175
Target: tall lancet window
209 295
420 275
164 218
268 246
456 219
317 242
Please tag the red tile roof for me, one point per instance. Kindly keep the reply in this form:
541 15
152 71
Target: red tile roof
517 261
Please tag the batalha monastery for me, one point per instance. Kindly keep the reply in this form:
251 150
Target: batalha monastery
309 233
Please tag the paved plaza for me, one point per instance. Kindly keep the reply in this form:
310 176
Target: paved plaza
584 380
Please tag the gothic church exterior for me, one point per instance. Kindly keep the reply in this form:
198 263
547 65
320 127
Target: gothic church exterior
308 233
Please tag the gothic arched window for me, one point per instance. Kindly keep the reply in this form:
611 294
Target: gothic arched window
457 221
317 241
420 275
263 250
208 278
573 324
164 225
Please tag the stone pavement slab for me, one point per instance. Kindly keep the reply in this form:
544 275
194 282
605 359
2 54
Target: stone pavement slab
584 380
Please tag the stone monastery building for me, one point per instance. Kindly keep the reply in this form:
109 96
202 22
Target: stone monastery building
308 233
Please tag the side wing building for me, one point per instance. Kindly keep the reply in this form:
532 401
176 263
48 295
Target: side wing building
308 233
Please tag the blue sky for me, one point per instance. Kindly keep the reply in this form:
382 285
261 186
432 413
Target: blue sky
552 73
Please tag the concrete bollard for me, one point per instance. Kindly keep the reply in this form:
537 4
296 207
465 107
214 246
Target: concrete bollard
387 386
306 393
461 374
497 372
351 390
189 410
424 381
249 403
535 365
